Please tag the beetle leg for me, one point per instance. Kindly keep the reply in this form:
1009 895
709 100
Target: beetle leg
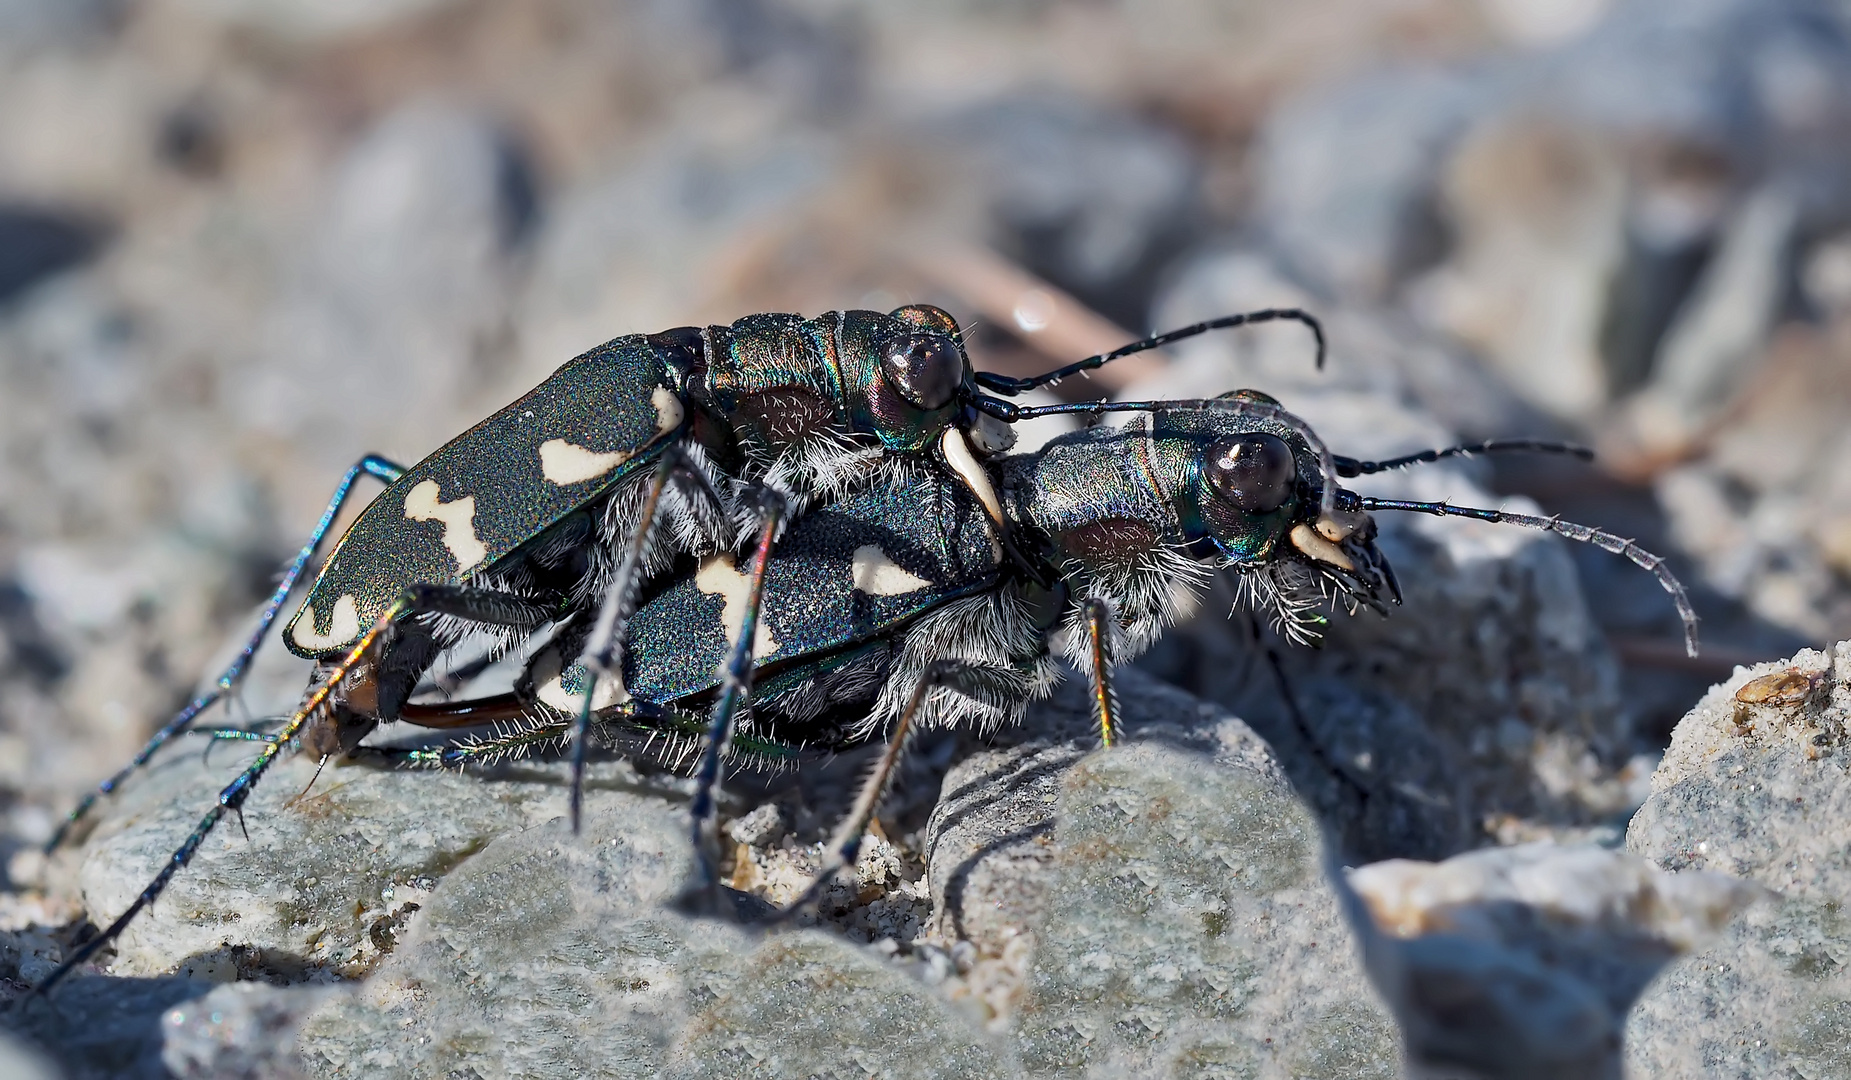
735 685
234 794
1300 724
1099 640
845 845
603 647
371 465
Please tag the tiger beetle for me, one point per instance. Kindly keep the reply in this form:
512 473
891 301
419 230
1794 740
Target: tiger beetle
888 588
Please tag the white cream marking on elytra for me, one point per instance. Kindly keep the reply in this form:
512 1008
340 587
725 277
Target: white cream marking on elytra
874 573
458 518
958 455
565 463
668 410
719 577
550 686
343 625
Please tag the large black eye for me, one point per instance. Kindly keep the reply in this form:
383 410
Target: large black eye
1254 471
926 369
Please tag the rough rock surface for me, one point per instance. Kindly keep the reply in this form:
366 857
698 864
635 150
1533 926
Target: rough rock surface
1168 896
1762 792
321 886
1168 917
1523 961
239 1031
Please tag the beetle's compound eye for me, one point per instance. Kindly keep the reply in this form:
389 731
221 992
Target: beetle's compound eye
1253 471
925 369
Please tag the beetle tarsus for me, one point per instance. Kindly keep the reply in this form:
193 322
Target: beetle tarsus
370 465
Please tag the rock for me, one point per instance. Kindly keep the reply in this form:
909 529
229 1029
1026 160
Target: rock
37 245
1766 513
240 1031
21 1062
1487 699
1089 198
101 1028
1537 206
549 955
1166 893
638 248
1760 791
321 888
400 293
1710 350
1180 862
1523 961
311 22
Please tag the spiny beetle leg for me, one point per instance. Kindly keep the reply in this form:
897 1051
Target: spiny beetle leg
234 794
603 647
1099 627
845 847
735 686
371 465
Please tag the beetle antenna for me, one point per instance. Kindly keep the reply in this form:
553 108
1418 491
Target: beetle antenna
1003 384
1347 466
1586 534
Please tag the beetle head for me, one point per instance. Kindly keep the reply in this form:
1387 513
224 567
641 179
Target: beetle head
905 374
1247 492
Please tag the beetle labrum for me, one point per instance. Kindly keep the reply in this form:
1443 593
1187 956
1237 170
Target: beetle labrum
899 606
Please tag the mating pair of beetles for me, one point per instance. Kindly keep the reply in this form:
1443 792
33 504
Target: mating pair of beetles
790 533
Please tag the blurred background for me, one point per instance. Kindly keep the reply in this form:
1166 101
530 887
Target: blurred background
243 242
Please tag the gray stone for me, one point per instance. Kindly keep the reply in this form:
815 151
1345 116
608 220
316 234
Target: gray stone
550 955
240 1031
321 887
1523 961
1762 792
102 1028
400 294
1166 894
1089 197
1346 174
314 21
20 1062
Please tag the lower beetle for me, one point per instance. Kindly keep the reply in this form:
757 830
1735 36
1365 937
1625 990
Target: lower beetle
885 610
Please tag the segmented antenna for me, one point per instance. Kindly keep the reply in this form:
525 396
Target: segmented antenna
1586 534
1003 384
1347 466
